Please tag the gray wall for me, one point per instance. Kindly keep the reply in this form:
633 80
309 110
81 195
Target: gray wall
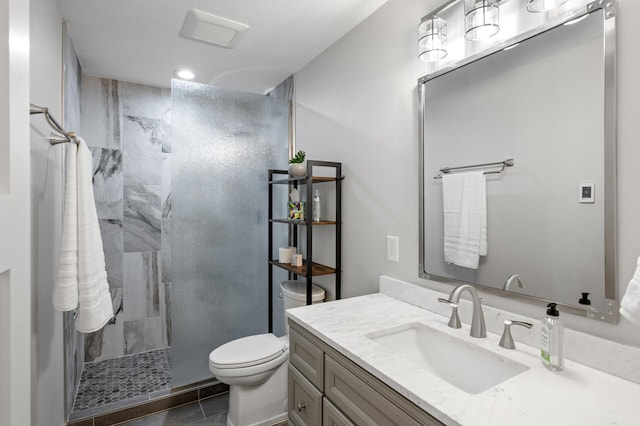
128 129
357 103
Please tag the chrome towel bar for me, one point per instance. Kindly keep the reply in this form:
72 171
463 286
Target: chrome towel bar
504 164
62 135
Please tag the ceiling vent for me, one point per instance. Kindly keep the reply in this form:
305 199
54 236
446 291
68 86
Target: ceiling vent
212 29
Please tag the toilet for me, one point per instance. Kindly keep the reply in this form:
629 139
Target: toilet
255 368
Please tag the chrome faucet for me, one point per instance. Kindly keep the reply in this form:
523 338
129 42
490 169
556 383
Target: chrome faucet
478 328
454 321
519 279
507 339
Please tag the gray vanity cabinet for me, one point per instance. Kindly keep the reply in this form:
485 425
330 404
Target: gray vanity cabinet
331 416
326 388
305 400
307 358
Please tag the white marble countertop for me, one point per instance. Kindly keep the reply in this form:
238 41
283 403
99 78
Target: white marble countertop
579 395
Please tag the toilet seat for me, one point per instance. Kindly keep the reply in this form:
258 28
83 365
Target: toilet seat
247 352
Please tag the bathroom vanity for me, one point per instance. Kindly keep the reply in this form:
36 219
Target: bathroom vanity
327 388
351 363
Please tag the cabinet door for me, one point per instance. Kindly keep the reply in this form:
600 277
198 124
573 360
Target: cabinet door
331 416
360 402
305 401
307 358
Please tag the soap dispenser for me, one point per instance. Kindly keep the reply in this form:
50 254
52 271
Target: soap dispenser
552 339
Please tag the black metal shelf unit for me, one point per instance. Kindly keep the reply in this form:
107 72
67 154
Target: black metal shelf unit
309 269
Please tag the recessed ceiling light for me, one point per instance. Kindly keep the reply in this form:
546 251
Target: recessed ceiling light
185 75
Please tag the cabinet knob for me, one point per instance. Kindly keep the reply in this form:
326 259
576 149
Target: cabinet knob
301 406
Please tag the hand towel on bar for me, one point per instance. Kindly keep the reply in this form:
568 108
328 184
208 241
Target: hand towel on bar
464 201
630 304
82 278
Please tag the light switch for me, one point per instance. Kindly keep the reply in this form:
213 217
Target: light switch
392 249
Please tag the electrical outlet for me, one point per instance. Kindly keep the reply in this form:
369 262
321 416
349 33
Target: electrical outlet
393 249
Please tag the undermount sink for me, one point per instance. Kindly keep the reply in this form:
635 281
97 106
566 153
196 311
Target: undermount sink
466 366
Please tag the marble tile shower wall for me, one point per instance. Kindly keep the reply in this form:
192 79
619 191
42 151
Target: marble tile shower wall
128 129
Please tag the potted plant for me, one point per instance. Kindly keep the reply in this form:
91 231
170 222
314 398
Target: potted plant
297 168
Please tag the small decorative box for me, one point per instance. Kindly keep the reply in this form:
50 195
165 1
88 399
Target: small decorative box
295 209
296 259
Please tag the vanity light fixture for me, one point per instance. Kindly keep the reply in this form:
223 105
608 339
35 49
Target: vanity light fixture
481 19
543 5
432 42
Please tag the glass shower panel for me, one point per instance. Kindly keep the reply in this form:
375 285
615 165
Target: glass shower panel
223 143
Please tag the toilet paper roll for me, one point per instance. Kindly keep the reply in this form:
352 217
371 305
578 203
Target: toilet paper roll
285 254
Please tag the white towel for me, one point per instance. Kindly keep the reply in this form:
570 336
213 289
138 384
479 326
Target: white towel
630 305
82 278
464 201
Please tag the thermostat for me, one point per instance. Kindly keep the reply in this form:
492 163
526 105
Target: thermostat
587 193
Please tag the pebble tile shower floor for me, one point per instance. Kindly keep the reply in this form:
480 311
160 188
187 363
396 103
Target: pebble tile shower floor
118 379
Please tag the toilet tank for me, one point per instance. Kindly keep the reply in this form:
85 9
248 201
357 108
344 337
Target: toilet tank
294 293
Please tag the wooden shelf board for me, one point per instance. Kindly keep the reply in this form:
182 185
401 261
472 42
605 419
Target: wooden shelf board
316 268
316 179
304 222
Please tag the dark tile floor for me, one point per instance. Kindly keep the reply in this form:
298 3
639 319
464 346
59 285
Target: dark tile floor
130 377
210 412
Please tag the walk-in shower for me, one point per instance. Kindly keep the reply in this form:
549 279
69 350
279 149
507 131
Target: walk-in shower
180 181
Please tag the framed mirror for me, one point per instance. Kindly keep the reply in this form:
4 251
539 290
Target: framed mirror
542 98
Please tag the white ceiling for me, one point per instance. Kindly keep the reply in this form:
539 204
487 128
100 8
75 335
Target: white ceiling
139 40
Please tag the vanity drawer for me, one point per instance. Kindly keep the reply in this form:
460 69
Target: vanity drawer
331 416
307 358
359 401
305 401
